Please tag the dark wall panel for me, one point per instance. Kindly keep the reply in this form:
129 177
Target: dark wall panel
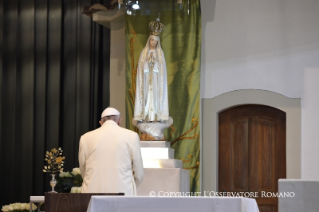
54 83
25 109
40 90
8 103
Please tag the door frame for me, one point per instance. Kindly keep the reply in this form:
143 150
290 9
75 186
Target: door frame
209 130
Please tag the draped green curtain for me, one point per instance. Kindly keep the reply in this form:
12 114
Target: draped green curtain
181 43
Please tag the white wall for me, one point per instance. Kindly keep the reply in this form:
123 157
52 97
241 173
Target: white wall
267 45
258 44
310 125
117 68
115 20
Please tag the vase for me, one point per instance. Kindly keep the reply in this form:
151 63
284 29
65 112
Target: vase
53 183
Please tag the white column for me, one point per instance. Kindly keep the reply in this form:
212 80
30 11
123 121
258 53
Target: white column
310 125
117 67
114 19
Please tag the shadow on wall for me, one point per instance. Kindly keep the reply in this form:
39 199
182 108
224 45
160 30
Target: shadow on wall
209 8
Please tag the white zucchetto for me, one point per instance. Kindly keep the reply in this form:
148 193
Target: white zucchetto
110 111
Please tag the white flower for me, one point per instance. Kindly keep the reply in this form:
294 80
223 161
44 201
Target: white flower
79 189
65 174
18 207
21 206
76 190
15 206
26 206
76 171
73 190
5 208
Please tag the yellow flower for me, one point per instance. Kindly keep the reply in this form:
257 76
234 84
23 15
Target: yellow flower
49 161
54 150
59 159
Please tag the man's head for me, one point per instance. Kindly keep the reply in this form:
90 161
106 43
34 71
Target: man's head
110 114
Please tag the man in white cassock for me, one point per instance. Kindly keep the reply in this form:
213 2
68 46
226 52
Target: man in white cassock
110 157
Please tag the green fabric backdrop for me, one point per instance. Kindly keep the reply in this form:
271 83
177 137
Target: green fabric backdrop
181 43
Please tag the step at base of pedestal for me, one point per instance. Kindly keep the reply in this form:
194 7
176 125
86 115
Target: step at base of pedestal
157 153
155 144
162 163
158 181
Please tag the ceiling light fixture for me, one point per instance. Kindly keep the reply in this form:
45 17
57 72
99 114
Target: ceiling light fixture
136 6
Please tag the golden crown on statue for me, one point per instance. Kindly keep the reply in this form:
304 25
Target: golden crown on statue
156 27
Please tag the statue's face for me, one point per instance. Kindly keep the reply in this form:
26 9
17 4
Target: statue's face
153 43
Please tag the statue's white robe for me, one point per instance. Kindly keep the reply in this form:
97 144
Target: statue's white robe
151 97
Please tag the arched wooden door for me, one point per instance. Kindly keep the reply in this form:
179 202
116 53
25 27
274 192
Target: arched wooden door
252 152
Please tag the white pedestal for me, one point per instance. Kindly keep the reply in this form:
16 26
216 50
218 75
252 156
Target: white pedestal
157 153
163 180
155 144
162 173
162 163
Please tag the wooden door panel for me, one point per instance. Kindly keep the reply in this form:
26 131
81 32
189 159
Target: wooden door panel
239 154
267 155
252 151
224 167
267 208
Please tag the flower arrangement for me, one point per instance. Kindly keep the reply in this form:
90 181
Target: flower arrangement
55 161
76 190
18 207
69 182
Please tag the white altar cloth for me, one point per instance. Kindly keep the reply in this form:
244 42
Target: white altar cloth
171 204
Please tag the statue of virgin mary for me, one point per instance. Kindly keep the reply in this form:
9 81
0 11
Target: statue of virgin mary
151 113
151 99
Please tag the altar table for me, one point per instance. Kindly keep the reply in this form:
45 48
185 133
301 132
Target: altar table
172 204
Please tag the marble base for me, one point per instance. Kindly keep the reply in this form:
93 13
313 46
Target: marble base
155 144
162 173
162 163
306 195
157 153
163 180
